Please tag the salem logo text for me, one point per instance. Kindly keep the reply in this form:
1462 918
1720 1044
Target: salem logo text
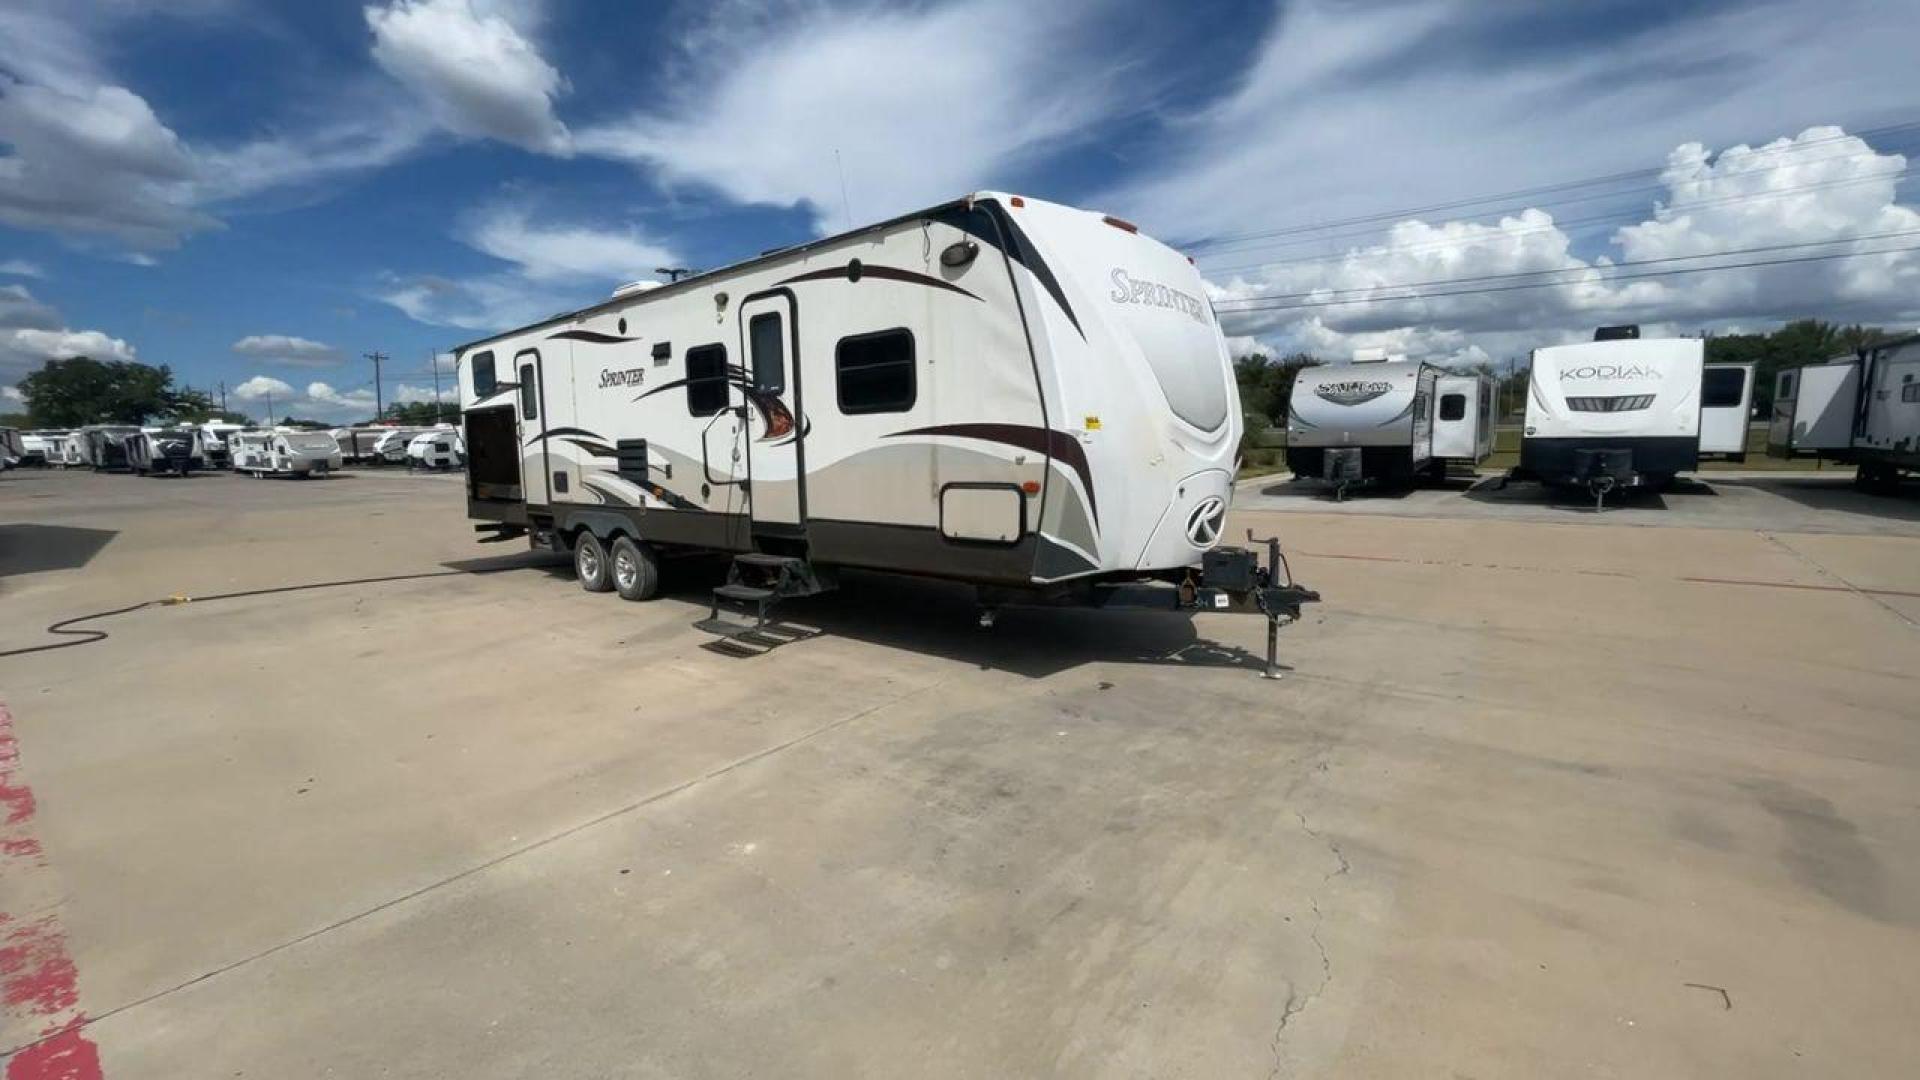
1610 371
1131 290
632 376
1353 391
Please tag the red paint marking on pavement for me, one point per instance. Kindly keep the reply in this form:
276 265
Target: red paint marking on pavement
38 982
64 1055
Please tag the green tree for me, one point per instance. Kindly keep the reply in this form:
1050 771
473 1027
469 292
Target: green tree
422 413
81 390
1803 341
1267 384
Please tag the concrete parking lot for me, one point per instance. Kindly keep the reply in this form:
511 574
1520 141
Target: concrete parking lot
1546 793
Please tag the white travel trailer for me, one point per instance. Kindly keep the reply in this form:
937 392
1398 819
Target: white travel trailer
213 440
1027 397
43 447
358 443
1385 421
71 451
165 450
103 446
437 450
391 445
1863 409
285 452
1370 420
1616 412
1726 408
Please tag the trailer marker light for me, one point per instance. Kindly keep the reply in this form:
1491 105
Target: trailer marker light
1017 201
1031 487
1121 224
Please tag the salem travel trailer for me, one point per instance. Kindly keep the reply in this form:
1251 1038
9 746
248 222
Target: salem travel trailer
285 453
1726 408
1023 396
103 446
1367 421
437 450
1614 413
165 450
1863 409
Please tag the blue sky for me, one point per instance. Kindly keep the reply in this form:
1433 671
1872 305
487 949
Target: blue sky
257 193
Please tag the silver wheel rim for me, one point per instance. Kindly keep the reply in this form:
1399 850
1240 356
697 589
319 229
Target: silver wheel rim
589 563
625 570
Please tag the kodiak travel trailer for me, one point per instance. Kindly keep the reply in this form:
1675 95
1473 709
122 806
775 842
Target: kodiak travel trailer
1026 397
165 450
1617 412
1726 408
1862 408
1385 421
284 452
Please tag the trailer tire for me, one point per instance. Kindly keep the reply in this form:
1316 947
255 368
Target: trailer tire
635 569
590 563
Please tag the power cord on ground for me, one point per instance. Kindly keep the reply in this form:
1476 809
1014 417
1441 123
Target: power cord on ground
64 628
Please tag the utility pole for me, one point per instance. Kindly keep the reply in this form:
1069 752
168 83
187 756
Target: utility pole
376 357
269 408
433 365
223 395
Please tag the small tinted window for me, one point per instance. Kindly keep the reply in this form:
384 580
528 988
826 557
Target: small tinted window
1722 388
1453 406
874 372
706 379
484 381
1910 392
529 393
769 353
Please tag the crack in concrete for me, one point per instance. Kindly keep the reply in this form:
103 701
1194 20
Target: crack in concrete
1864 594
1295 1004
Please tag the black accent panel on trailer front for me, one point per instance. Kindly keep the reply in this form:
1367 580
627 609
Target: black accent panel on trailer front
1552 460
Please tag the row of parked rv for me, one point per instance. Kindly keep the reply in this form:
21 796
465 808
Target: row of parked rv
183 449
1617 412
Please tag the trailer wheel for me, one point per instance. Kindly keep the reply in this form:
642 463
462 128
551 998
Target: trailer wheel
590 564
636 569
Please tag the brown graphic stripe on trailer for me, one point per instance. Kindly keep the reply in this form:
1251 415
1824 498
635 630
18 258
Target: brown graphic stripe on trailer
855 270
1055 444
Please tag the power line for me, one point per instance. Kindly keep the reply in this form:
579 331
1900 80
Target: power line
1633 174
1550 284
1571 269
1725 200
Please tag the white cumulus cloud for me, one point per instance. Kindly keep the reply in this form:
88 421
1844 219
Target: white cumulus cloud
474 69
288 350
920 104
261 387
31 333
21 268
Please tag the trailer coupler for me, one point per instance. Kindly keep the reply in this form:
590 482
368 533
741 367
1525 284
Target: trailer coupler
1231 581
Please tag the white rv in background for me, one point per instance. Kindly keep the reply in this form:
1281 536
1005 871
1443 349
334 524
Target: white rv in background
1619 411
213 441
1023 396
1863 409
165 450
391 445
1726 408
1381 420
437 450
358 443
103 446
43 447
285 452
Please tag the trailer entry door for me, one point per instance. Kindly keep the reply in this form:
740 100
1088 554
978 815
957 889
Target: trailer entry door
775 422
532 403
